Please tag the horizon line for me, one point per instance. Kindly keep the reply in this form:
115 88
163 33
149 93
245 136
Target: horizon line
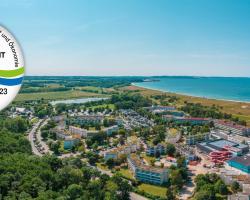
197 76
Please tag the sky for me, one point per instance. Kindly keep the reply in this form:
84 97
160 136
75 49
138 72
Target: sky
131 37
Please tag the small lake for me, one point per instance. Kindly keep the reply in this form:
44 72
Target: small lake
77 101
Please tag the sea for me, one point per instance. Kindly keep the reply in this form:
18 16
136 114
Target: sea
223 88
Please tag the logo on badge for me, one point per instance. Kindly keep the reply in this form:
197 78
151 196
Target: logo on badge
11 67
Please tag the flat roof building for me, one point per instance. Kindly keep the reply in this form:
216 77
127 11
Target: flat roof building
242 163
231 127
78 131
147 174
222 145
153 150
187 120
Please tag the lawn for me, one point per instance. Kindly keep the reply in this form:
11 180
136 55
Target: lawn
55 95
111 106
102 166
153 189
127 173
148 158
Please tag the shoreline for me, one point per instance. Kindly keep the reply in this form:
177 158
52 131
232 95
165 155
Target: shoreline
236 108
189 95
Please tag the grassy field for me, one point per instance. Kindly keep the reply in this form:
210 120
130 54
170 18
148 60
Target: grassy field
56 95
96 89
238 109
153 189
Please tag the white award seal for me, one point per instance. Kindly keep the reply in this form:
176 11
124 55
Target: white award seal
11 67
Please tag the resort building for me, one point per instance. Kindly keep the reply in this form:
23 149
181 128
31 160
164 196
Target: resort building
187 120
111 155
81 132
86 119
78 131
121 150
153 150
239 139
193 139
231 127
61 134
160 109
111 130
223 145
241 163
147 174
132 119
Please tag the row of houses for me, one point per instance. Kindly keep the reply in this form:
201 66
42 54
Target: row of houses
132 119
84 133
160 109
229 126
157 149
86 119
115 153
186 120
230 176
232 127
231 137
147 174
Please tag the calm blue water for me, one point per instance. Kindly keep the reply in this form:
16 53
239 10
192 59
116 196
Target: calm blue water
236 89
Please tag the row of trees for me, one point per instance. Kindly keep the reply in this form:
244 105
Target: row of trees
210 187
129 101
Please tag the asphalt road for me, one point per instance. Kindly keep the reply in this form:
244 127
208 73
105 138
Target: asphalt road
31 137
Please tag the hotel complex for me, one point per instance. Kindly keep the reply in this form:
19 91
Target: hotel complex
231 127
147 174
185 120
153 150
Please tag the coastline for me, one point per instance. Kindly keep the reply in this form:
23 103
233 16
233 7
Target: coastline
236 108
189 95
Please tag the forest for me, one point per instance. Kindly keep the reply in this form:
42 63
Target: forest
25 176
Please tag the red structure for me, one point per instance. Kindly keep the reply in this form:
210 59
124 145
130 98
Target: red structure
219 157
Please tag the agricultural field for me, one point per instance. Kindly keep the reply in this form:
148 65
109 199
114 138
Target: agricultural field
72 94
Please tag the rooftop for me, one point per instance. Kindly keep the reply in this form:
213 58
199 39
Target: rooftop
223 143
138 163
244 160
231 124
